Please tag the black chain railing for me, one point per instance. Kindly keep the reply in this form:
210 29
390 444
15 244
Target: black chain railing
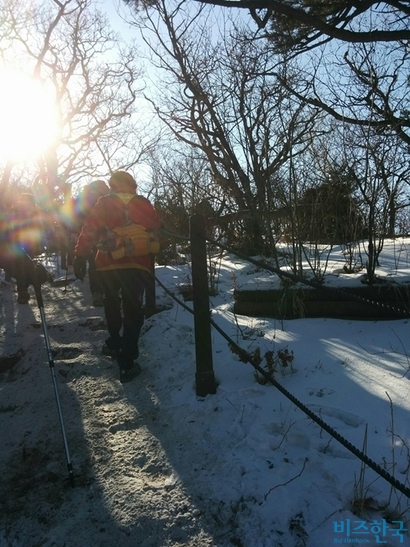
247 357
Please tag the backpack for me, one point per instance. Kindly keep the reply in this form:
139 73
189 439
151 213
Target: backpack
129 239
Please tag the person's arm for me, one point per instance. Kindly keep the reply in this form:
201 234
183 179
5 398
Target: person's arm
92 230
90 233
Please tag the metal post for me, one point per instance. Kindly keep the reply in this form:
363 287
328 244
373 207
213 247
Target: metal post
205 379
150 304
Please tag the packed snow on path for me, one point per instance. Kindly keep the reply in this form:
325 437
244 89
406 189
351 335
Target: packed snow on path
156 466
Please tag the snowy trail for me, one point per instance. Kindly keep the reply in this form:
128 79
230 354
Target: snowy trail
157 466
120 440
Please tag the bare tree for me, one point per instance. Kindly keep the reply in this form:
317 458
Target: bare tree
308 23
380 172
95 80
361 85
215 95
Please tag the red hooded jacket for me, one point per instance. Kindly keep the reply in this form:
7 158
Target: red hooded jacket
109 212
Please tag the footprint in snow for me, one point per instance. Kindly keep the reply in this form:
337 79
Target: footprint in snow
351 420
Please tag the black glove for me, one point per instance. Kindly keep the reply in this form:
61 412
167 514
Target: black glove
80 267
24 269
42 275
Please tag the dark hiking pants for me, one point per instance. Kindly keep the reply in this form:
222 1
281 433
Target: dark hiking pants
123 297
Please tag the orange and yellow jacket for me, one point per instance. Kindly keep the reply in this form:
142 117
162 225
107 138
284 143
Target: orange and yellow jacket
109 212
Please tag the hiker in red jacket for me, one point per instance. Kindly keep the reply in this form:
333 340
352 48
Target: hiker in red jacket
128 274
72 217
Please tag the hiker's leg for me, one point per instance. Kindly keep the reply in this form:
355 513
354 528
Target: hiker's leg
94 276
95 283
24 273
134 283
112 307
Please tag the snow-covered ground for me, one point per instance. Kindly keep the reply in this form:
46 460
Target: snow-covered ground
156 466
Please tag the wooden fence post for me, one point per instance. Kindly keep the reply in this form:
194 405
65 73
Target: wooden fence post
150 304
205 379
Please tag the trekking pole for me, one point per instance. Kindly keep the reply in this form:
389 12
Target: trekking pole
39 297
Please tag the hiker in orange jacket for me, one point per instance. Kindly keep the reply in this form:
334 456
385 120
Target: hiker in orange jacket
129 274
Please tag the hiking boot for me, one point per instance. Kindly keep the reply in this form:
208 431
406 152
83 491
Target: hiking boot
23 297
111 348
129 373
98 300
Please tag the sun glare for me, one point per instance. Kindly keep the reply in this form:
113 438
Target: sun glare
27 117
